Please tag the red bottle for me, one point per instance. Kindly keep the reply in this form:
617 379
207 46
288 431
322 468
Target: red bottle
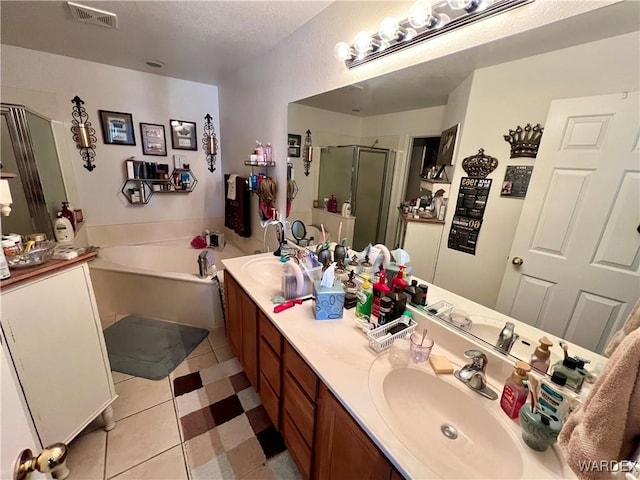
380 289
332 206
514 394
68 214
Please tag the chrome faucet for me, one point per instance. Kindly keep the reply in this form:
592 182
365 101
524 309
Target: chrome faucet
473 374
507 338
203 264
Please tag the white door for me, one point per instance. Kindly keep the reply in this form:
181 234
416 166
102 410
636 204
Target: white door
17 430
579 232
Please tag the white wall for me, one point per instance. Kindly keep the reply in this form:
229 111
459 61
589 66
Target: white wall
46 83
502 97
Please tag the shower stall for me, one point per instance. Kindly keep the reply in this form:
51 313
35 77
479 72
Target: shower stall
363 176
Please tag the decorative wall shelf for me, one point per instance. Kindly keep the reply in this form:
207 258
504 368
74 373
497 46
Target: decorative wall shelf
138 191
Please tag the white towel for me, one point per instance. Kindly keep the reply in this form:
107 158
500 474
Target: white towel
231 191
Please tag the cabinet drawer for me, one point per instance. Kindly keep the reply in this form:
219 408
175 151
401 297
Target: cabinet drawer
299 370
269 366
270 333
299 408
271 401
296 445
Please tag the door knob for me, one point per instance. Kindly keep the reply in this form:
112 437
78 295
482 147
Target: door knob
517 261
51 460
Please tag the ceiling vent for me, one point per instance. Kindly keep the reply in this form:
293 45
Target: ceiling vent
85 14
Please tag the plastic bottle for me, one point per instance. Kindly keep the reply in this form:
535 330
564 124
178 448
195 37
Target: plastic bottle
67 213
386 311
569 366
365 299
4 267
425 288
554 399
268 154
259 152
413 292
380 290
397 295
63 229
540 359
514 394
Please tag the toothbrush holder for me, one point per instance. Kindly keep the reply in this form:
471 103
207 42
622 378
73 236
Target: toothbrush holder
538 430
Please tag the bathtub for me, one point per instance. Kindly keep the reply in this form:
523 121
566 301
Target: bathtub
159 280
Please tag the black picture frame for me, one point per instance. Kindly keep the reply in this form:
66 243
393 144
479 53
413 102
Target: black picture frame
447 146
154 141
117 128
294 145
183 135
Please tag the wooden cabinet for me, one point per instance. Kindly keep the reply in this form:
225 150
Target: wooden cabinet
54 337
342 449
299 392
242 327
270 368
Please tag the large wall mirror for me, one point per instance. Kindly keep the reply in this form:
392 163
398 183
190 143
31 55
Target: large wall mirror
29 151
488 90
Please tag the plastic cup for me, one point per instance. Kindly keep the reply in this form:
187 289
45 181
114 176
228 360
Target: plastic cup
420 353
399 353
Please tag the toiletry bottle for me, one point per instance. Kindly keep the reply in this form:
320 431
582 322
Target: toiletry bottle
4 267
569 366
555 400
425 288
63 229
413 292
514 394
540 357
380 290
68 214
259 152
346 209
385 312
397 295
365 299
268 153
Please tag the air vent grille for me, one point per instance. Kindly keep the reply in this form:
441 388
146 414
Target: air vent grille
85 14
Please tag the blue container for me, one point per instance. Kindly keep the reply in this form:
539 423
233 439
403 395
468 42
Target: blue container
329 302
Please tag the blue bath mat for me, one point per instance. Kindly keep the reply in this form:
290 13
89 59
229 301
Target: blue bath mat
150 348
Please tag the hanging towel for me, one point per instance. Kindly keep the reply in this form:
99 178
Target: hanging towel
607 426
231 191
632 323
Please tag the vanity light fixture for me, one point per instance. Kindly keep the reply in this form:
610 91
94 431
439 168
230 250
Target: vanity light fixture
307 153
210 143
423 22
83 133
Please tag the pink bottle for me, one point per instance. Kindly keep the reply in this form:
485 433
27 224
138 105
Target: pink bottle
514 394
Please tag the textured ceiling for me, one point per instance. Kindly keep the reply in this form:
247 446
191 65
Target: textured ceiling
429 84
200 41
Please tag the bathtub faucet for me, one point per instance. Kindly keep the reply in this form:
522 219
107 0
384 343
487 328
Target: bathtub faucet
203 264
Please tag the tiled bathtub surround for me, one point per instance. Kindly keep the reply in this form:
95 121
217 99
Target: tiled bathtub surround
202 422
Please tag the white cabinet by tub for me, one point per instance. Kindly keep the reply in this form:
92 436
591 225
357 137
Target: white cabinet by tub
421 240
52 329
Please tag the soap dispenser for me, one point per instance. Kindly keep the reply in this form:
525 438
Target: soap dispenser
540 357
514 394
365 299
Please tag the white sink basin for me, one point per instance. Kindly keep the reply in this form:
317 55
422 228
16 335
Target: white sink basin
265 271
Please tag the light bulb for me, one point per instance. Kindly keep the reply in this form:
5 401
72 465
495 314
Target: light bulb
362 42
389 28
342 51
461 4
411 34
420 14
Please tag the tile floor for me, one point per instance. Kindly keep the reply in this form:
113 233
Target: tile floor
150 441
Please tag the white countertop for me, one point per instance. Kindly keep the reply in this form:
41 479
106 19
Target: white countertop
339 353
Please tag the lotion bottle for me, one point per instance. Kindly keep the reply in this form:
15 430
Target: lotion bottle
63 229
555 400
540 358
514 394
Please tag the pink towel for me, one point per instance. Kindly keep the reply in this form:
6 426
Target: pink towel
607 426
631 323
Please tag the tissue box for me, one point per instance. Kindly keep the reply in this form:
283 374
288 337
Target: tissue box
392 270
329 302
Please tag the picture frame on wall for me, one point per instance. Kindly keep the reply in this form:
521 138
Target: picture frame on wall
294 143
117 128
153 139
183 135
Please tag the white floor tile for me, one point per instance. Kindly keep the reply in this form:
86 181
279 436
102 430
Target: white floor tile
137 394
168 465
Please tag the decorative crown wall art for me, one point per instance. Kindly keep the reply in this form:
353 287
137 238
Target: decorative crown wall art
525 141
479 165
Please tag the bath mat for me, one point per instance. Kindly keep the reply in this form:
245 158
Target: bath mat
149 348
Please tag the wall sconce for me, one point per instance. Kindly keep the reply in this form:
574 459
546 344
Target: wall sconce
422 23
307 153
210 143
83 133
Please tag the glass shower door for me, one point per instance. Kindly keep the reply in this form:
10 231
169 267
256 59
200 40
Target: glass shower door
336 167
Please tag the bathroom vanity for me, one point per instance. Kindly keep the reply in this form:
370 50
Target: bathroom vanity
52 337
344 412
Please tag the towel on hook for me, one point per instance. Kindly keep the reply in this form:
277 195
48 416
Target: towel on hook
607 426
231 191
632 323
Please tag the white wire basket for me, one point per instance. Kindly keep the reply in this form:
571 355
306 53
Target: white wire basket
363 324
377 337
441 308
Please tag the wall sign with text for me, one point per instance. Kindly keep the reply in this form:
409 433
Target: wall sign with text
472 201
516 181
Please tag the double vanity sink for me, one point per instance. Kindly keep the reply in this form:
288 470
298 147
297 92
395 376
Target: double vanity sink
428 425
